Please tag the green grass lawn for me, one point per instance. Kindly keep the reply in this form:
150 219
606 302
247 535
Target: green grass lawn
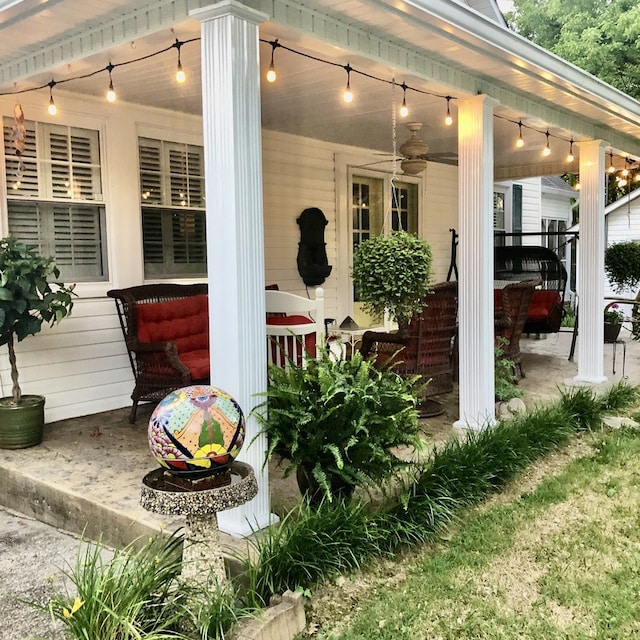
550 559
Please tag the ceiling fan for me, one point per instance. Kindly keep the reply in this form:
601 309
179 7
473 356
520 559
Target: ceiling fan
414 153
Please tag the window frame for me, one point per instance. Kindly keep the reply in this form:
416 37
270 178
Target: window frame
45 198
169 211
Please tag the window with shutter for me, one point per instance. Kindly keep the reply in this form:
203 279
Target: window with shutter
54 196
172 204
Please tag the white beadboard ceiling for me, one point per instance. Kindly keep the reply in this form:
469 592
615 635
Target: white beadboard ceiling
306 99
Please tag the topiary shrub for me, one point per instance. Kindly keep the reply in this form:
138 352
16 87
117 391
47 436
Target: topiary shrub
392 273
622 265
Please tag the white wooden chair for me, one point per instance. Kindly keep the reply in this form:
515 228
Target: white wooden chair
297 330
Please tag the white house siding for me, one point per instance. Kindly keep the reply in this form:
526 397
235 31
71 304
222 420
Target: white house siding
81 365
531 207
440 213
298 173
556 207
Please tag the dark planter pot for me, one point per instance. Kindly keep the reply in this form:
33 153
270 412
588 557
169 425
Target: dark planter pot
21 425
611 331
314 494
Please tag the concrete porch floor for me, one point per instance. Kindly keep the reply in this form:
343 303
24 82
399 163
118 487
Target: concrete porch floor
85 477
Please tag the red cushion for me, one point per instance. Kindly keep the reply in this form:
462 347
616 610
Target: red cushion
198 363
541 304
185 322
309 340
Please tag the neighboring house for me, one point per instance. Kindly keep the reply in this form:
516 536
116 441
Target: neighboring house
622 220
216 170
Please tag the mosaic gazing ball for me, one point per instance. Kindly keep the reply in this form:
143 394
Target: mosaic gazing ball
196 430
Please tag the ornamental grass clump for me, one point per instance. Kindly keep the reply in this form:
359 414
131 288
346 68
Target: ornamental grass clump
312 545
138 594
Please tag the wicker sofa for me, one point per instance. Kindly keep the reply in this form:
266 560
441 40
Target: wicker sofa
166 332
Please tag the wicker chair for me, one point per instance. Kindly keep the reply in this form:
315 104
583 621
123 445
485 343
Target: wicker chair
511 309
156 366
426 345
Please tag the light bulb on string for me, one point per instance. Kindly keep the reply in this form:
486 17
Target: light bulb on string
111 94
520 140
448 120
181 76
52 109
347 96
404 110
547 150
271 73
570 157
611 169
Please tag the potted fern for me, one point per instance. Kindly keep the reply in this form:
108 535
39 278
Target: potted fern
336 421
28 299
391 274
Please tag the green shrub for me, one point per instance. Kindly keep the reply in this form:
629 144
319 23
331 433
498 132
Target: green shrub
505 377
622 265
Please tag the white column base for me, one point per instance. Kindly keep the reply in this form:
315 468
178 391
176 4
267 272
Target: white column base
585 380
242 522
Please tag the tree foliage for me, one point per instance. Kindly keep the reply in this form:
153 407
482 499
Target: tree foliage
600 36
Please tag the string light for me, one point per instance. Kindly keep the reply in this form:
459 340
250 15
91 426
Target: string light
347 96
448 120
271 73
181 76
612 169
570 157
547 150
111 94
404 110
52 109
520 140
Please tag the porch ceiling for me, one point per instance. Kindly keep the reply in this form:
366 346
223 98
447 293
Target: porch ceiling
437 46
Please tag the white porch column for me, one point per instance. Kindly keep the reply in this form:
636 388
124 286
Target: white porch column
475 222
235 238
591 264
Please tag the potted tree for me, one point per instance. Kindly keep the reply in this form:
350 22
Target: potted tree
336 421
391 273
27 300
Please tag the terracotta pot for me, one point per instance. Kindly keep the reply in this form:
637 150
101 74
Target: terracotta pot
611 331
314 494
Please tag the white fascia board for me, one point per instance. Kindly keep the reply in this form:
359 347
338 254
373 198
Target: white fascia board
513 45
622 202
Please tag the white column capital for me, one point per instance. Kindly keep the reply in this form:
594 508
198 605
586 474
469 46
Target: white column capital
228 8
482 98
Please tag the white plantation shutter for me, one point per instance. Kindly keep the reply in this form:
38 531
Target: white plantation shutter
150 159
172 202
52 206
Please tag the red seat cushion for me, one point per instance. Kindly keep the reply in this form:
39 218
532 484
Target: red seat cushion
198 363
541 304
185 322
309 340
